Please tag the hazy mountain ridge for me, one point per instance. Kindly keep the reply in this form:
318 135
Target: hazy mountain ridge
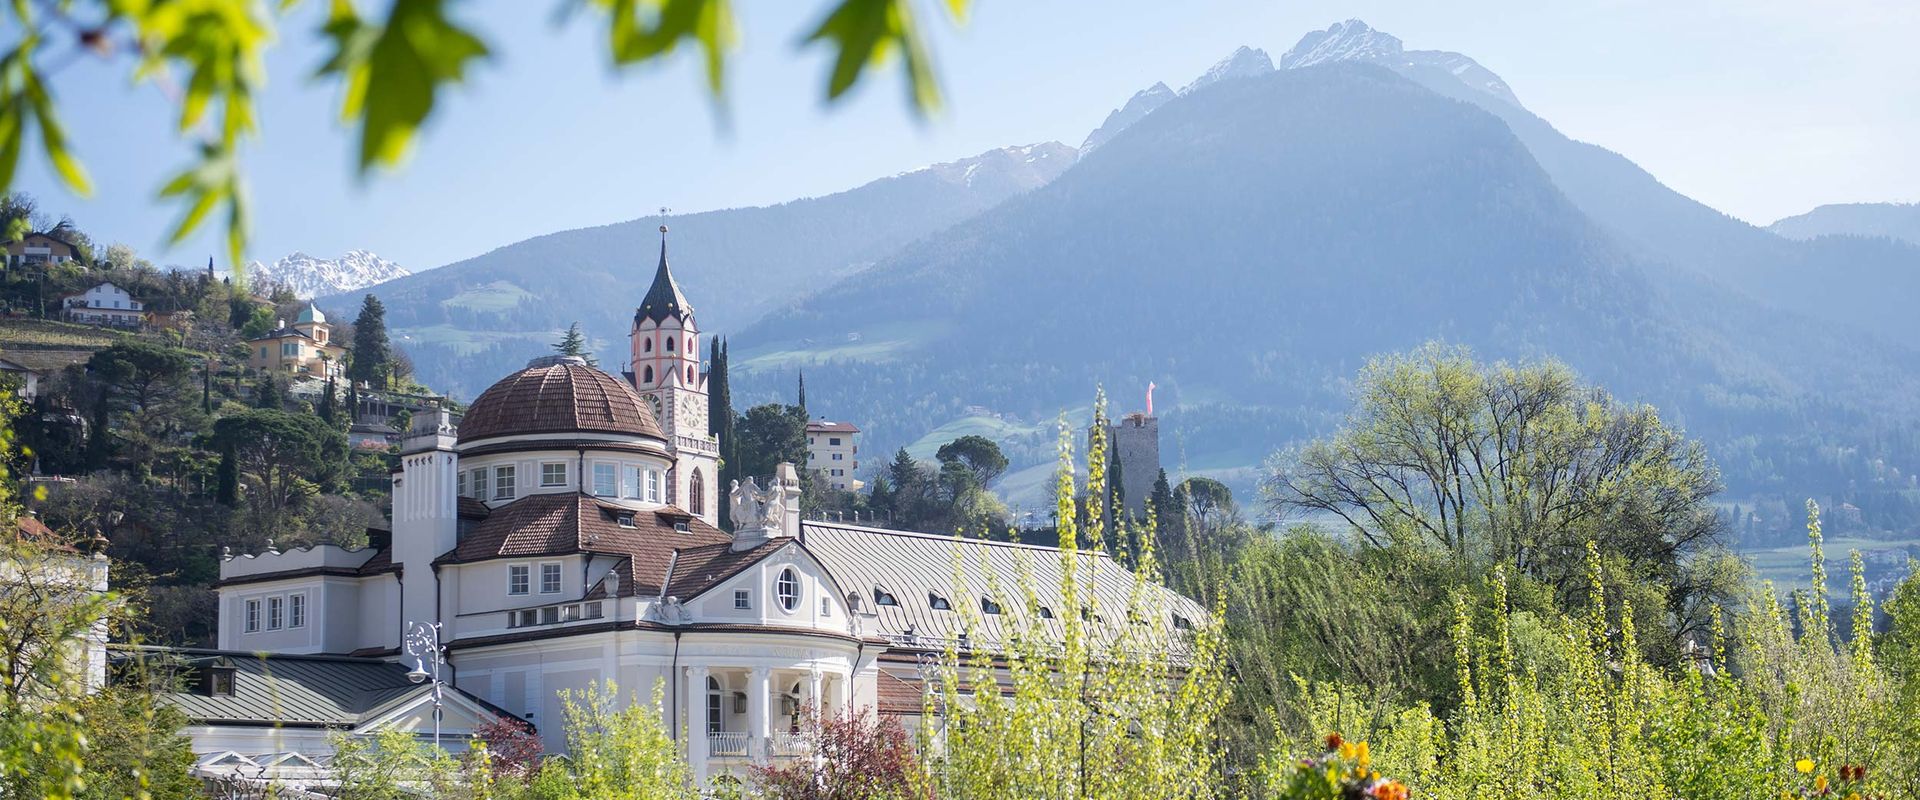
468 323
1299 222
1892 220
309 277
1354 40
1138 106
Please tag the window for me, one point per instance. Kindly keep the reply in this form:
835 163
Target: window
263 352
716 711
653 486
503 482
1046 613
646 345
524 619
460 484
569 613
787 589
1182 623
681 526
253 616
625 520
549 578
742 599
647 377
826 606
988 606
480 484
296 611
882 597
604 482
696 494
630 483
833 441
839 456
689 344
553 473
670 341
289 349
549 615
517 579
593 611
689 373
276 613
938 603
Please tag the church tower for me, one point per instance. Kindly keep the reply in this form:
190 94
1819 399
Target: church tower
666 371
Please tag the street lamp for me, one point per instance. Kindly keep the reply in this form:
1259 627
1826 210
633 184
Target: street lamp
423 643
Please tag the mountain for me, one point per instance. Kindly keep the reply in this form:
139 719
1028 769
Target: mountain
1823 277
1138 106
468 323
1248 246
312 277
1245 62
1892 220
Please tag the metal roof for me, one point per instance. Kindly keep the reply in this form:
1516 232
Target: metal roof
287 690
915 567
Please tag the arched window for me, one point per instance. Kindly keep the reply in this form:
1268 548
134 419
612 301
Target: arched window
670 341
697 493
689 344
787 589
647 377
716 711
646 345
689 373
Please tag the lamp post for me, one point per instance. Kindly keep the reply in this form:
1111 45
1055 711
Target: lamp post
423 643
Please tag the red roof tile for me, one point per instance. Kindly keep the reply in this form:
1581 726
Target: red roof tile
563 397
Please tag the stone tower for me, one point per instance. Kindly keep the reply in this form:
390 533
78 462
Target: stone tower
1135 441
665 369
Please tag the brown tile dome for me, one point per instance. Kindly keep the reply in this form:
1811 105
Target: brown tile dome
558 394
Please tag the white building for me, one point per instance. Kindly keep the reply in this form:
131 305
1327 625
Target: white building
563 535
105 304
833 452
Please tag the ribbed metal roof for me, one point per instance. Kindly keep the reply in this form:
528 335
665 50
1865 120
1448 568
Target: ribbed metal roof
915 567
297 691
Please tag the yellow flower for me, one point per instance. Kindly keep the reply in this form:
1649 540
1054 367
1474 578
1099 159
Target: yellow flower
1347 750
1365 757
1820 784
1804 765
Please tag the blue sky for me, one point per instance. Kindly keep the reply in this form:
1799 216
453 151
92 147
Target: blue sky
1761 108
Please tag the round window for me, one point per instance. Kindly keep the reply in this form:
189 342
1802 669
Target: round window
787 589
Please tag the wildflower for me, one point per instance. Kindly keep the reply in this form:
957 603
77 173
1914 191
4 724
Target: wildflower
1389 790
1364 757
1853 773
1804 765
1348 751
1820 784
1334 741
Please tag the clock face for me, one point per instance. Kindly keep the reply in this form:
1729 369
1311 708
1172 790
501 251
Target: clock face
690 412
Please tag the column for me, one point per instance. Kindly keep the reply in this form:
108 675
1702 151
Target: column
759 714
696 728
840 696
816 697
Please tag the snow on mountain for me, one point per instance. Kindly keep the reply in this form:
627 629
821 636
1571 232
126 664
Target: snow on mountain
1246 62
1354 40
1015 168
1141 104
312 277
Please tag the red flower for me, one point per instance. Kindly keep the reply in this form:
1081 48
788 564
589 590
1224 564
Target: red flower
1334 741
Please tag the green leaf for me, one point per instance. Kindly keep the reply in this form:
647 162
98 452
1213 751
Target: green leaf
867 34
394 71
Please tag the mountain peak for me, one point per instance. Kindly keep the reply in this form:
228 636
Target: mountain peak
1246 62
311 277
1354 40
1139 105
1020 168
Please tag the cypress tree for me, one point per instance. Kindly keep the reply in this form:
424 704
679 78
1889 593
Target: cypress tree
326 402
227 478
372 353
803 395
206 381
266 393
353 403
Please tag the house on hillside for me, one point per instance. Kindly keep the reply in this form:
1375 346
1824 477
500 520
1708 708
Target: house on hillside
39 248
564 533
306 348
27 377
40 572
105 304
832 452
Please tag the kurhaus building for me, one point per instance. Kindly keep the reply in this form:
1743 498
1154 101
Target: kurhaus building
565 534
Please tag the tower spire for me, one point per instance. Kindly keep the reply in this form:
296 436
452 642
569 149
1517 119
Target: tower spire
664 300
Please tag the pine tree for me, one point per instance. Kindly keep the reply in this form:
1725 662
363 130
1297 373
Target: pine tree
803 395
266 393
372 352
228 479
574 343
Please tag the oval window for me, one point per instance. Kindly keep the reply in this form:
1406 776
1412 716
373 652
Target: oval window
787 589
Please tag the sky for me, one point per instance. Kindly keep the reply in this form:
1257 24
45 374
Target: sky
1760 108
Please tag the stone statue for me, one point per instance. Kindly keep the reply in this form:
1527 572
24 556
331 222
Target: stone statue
773 507
743 504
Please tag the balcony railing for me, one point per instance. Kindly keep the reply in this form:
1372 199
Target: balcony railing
727 743
789 744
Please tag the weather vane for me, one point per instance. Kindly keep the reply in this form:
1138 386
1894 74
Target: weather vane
663 218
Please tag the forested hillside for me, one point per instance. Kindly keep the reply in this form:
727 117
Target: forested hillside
1248 246
470 322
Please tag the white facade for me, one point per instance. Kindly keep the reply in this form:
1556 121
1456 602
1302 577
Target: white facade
105 304
832 451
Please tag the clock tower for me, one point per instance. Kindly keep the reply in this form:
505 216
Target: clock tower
666 371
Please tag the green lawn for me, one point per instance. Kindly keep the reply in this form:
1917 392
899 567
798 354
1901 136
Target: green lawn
1788 566
494 297
465 342
875 345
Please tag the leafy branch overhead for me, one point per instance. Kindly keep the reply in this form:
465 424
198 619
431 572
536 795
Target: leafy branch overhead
390 70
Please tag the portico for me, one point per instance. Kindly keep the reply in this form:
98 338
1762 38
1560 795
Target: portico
753 714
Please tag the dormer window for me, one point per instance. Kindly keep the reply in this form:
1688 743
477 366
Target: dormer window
1046 613
787 589
625 520
1182 623
882 597
681 526
988 606
216 681
938 603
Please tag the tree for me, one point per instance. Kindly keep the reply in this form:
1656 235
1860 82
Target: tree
574 343
768 435
856 757
325 409
371 358
801 395
227 479
979 455
141 375
285 457
1498 464
1206 499
267 392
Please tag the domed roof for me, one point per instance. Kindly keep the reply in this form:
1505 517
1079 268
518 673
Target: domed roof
558 394
310 314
